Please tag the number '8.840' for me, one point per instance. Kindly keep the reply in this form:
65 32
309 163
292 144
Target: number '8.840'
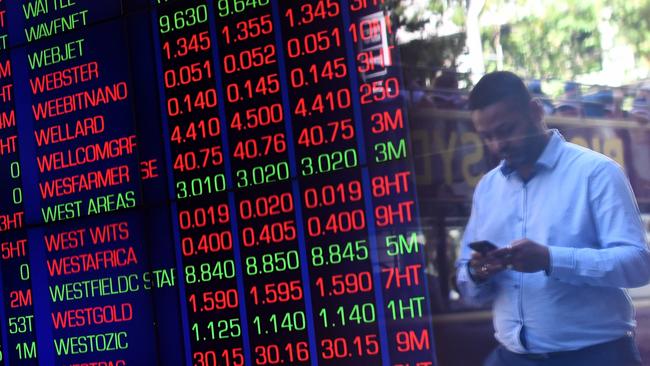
210 271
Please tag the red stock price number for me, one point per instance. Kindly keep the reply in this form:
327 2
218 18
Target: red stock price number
214 300
271 233
187 74
265 85
249 59
260 207
196 130
186 45
313 43
357 5
228 357
203 158
213 242
339 348
309 13
201 217
344 284
336 223
324 103
248 29
280 292
334 131
260 147
333 194
274 354
191 102
257 117
330 70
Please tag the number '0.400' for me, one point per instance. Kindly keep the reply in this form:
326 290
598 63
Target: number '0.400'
213 242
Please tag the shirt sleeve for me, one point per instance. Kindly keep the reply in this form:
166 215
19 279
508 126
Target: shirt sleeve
623 259
473 293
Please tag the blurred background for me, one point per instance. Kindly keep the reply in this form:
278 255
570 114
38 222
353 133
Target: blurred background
589 63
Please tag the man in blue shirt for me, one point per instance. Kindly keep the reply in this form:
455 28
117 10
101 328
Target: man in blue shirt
569 236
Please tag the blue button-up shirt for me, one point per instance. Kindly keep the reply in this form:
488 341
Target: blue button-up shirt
580 204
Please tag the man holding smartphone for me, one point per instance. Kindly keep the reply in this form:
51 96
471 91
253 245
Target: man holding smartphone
567 236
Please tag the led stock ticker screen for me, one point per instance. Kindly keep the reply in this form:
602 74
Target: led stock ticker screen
210 183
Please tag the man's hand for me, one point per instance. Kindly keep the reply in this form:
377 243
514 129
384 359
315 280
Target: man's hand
483 267
524 255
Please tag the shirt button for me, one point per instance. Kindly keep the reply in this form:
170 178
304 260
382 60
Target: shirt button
516 286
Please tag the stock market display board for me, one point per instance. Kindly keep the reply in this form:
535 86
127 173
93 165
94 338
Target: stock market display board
221 182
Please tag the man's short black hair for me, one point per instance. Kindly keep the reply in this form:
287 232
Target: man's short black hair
496 87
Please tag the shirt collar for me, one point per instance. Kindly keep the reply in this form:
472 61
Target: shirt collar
549 156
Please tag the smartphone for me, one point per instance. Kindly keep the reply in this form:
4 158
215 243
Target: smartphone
482 246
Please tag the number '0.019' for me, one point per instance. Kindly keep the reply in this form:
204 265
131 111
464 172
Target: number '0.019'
330 195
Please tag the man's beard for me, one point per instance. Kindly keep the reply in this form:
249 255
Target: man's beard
527 153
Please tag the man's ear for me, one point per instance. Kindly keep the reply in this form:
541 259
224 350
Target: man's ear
536 110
